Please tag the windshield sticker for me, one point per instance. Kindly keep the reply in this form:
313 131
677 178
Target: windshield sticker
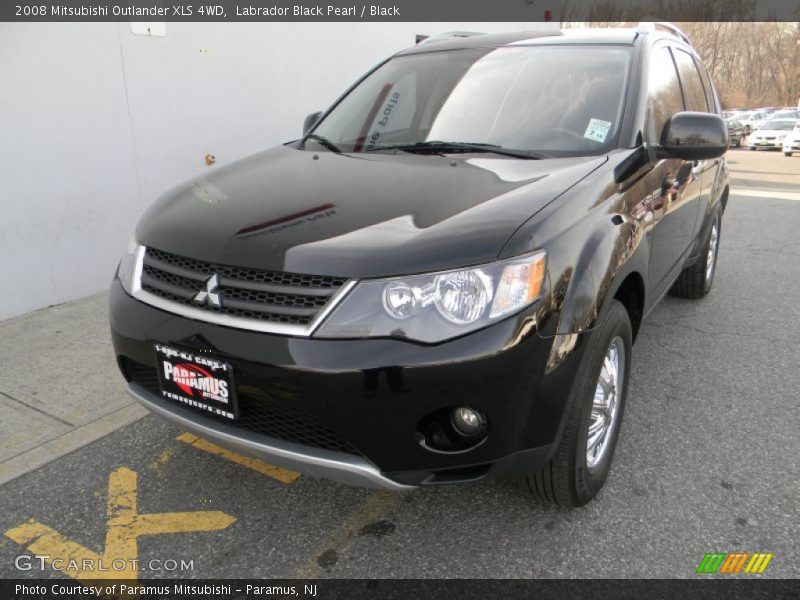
597 130
383 118
393 110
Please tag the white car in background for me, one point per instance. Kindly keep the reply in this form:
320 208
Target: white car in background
751 119
771 134
791 143
789 113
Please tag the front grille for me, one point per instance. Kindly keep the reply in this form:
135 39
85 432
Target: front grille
278 297
267 416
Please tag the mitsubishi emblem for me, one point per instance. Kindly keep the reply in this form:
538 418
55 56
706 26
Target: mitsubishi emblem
210 295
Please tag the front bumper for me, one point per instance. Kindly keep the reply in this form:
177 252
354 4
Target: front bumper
791 145
763 143
352 470
350 410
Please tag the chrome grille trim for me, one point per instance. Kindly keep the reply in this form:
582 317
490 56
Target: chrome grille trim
237 322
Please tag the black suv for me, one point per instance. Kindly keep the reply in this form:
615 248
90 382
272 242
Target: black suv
442 280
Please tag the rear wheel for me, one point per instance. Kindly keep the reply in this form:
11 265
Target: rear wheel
695 282
580 465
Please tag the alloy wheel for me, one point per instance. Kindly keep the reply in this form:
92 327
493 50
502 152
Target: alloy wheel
605 404
711 255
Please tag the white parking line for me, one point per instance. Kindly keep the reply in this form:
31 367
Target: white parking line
774 194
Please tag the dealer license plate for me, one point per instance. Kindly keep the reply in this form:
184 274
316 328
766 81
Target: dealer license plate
197 380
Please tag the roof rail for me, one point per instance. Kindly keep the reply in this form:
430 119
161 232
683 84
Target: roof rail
448 35
649 26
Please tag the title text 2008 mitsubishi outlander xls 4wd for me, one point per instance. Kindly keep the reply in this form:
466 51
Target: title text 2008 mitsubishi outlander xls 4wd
443 279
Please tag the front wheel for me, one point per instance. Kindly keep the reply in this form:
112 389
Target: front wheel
787 153
580 465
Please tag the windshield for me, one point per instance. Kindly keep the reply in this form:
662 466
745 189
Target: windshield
561 101
779 125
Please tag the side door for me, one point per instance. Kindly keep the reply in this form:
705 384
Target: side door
710 175
675 185
697 97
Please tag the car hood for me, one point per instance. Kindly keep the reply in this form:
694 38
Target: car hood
358 215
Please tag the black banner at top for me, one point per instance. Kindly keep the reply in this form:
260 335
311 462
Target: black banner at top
400 10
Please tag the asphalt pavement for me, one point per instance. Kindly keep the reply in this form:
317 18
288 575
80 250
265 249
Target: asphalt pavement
708 461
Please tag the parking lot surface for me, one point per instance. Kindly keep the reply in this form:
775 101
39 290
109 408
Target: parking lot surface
708 459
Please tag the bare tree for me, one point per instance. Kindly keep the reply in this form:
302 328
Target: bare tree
752 63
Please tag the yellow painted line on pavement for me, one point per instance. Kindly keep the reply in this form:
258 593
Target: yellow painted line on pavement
162 460
773 194
124 527
283 475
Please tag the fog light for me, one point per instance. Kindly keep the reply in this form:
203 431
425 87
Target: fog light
468 422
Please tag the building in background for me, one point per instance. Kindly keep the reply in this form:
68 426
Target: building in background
98 119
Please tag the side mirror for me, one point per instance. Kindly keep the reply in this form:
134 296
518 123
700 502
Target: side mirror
310 121
693 136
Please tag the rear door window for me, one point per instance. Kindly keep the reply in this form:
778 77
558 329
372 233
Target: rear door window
711 93
693 91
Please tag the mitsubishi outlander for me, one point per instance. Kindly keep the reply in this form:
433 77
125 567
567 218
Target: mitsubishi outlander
443 279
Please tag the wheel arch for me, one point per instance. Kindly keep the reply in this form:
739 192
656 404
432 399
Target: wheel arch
723 199
613 265
631 293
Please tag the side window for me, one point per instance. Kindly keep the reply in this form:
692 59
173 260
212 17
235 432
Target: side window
663 92
692 84
711 92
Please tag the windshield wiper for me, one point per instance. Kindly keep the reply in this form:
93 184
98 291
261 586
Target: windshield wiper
440 146
323 141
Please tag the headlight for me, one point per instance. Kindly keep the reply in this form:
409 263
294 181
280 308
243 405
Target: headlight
127 266
438 306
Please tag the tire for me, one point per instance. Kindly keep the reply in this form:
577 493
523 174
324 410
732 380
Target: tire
753 148
570 478
695 282
787 153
